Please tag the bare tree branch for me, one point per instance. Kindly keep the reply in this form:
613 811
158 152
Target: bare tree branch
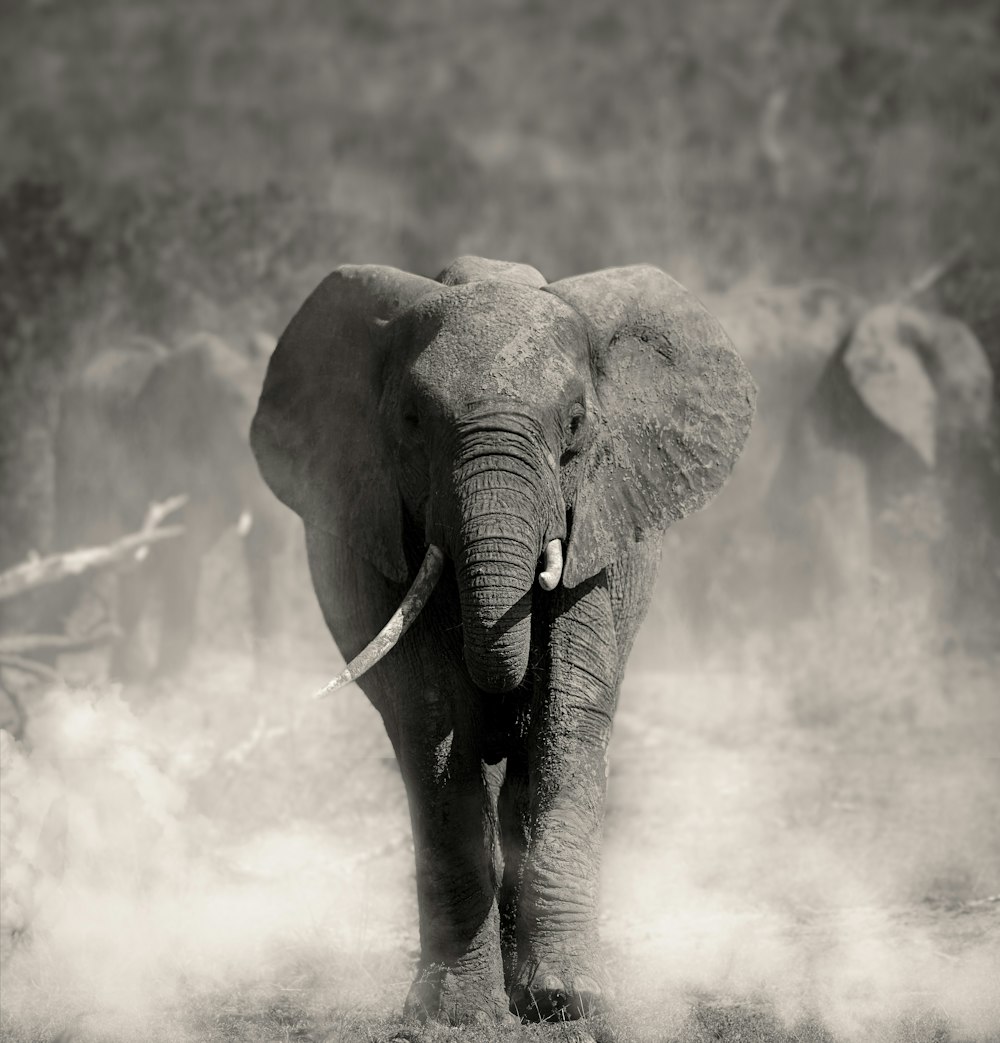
158 512
936 272
41 572
30 666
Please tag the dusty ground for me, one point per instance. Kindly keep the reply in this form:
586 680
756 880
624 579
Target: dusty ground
222 859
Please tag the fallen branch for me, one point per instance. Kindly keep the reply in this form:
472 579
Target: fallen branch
39 572
158 512
30 644
31 666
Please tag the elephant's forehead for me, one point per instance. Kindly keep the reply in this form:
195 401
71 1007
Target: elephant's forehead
484 339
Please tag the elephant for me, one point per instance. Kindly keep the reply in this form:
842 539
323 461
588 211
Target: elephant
447 443
143 423
892 471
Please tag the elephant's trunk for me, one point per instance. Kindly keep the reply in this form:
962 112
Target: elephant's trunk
498 506
495 575
506 507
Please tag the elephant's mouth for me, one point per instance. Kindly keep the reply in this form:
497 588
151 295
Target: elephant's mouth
413 603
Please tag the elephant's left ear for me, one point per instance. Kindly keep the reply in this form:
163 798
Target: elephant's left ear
675 403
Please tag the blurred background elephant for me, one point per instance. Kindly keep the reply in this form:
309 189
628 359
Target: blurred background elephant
874 467
714 574
890 479
143 423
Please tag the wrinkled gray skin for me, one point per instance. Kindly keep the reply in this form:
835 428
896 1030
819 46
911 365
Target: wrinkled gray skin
141 424
893 464
489 413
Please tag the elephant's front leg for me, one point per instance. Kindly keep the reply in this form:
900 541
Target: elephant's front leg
460 975
558 972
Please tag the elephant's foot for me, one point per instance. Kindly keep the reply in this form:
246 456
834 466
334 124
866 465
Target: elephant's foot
456 996
558 990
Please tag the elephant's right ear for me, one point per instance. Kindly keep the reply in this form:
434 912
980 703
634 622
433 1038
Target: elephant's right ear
885 368
316 433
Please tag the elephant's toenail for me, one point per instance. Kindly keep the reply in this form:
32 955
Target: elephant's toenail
551 983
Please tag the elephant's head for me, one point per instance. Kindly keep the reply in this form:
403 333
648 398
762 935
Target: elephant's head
496 418
924 376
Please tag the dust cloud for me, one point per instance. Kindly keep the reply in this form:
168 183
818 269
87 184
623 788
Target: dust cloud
209 848
803 825
754 861
141 876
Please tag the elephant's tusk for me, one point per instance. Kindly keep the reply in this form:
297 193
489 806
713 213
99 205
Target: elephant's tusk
389 635
549 579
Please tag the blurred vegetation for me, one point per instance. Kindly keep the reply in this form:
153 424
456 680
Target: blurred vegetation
42 259
169 167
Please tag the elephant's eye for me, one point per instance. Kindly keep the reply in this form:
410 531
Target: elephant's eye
577 415
576 422
411 420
